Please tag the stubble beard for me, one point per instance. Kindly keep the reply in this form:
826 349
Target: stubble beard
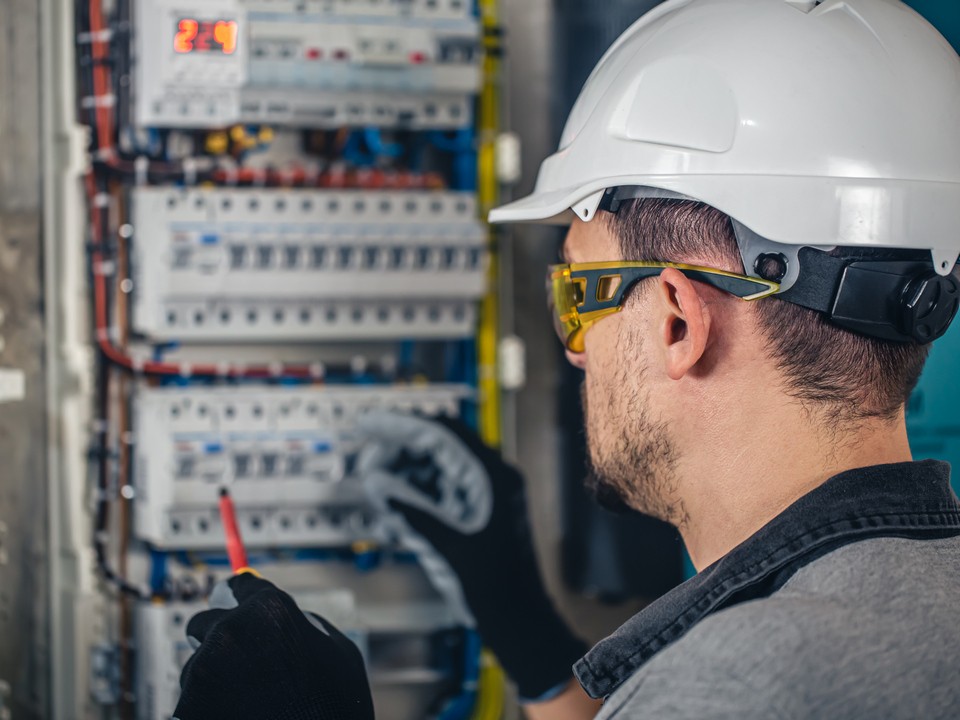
631 457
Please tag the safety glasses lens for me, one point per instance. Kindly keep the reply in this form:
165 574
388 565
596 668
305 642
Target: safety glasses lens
564 295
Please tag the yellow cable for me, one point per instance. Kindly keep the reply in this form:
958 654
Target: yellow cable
490 689
488 380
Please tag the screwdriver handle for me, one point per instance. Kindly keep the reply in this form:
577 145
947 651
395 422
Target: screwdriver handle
235 549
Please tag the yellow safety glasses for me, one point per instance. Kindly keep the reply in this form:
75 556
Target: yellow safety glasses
580 294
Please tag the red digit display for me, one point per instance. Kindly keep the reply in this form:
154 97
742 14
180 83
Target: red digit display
225 34
206 36
186 33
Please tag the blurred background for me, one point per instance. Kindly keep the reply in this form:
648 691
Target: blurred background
227 227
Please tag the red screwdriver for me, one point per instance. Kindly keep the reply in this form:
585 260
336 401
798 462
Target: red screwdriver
235 550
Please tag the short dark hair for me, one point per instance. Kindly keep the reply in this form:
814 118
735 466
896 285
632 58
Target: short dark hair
850 376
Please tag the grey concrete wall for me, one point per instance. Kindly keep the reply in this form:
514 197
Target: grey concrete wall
23 530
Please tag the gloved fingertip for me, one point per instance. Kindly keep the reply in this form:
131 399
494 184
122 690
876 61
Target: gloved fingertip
222 596
247 584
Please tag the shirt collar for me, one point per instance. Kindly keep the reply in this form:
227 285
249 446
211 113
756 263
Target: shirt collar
911 500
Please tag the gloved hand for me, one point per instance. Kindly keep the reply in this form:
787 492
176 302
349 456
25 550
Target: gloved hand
259 656
470 505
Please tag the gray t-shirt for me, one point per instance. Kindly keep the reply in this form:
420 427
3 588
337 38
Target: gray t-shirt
870 630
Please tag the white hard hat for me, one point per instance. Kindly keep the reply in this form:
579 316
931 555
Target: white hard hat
811 124
831 123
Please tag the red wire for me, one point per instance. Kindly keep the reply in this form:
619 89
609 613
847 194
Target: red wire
101 78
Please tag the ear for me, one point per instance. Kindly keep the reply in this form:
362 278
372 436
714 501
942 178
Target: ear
684 325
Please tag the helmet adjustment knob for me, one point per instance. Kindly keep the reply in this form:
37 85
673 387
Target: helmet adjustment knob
928 305
771 266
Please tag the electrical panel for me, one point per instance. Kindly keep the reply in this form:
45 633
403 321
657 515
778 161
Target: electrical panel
285 230
249 264
327 63
285 453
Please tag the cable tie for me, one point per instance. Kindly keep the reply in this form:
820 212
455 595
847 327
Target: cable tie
189 171
185 369
136 364
100 36
276 369
317 370
105 155
107 100
103 336
230 175
101 200
105 268
260 177
141 170
388 364
358 364
223 368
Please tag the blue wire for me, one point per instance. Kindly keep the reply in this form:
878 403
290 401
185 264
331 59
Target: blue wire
462 140
461 707
377 147
405 355
461 145
353 153
158 571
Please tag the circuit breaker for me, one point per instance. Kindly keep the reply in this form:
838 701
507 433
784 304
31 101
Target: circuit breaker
251 264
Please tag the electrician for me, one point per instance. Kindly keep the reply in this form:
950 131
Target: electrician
764 208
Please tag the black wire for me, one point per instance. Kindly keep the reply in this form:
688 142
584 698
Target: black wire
100 453
84 67
122 52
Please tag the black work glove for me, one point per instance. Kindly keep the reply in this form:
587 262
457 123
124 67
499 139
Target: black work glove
470 505
265 659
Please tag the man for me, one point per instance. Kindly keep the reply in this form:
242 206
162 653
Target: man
765 208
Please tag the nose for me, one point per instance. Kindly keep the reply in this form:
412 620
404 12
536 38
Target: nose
578 360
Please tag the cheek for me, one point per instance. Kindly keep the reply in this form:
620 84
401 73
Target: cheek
605 372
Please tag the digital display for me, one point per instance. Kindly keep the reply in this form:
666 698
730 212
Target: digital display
206 36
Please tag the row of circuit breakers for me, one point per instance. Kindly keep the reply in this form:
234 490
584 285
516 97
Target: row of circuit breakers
250 265
308 63
287 455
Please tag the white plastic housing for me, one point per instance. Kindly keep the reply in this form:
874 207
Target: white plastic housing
285 453
312 64
811 124
245 264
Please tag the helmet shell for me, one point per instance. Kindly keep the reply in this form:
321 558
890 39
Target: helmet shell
818 124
